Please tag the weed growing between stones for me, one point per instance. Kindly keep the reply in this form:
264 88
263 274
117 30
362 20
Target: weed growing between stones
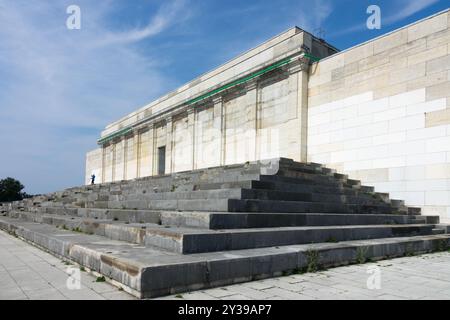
100 279
440 245
361 255
312 262
409 250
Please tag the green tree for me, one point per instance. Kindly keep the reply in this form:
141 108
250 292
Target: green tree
11 190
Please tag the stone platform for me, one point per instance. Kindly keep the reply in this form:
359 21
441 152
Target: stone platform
206 228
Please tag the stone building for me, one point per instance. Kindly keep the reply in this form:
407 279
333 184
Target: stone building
379 112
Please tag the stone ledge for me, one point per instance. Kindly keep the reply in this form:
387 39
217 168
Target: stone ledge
150 273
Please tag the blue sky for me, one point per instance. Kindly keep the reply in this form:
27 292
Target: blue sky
59 88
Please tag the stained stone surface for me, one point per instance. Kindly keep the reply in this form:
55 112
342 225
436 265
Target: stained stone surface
27 272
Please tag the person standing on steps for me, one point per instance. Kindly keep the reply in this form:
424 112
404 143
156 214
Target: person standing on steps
93 179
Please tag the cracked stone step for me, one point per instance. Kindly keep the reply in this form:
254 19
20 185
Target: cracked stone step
188 241
304 207
147 272
225 220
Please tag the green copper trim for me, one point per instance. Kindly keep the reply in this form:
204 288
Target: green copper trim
240 81
114 135
215 91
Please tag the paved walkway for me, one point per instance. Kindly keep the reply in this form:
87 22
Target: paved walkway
420 277
29 273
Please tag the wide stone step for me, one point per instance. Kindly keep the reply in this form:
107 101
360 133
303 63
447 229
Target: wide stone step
225 220
312 180
115 201
183 195
280 187
221 220
147 272
438 231
304 207
130 216
246 205
262 194
295 187
165 183
182 205
188 241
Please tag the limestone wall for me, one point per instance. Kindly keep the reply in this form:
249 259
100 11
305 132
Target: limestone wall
259 118
380 112
94 161
267 53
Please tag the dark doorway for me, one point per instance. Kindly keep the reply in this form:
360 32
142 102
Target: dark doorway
161 160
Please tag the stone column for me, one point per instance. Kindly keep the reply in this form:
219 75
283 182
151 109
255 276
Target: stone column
151 142
219 125
302 105
125 157
191 130
137 140
103 163
252 112
113 161
169 145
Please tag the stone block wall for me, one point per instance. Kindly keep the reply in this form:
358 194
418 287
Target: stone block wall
380 112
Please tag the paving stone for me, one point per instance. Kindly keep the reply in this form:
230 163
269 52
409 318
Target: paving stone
286 294
45 294
36 285
221 292
12 293
42 280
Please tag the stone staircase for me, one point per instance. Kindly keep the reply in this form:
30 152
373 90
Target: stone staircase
191 230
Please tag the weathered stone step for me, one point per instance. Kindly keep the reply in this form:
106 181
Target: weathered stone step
183 195
115 201
220 220
131 216
304 207
188 241
318 180
181 205
146 272
223 174
438 231
237 205
262 194
293 187
275 184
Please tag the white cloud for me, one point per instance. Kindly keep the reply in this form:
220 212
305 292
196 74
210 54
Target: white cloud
408 8
402 9
313 15
169 14
59 88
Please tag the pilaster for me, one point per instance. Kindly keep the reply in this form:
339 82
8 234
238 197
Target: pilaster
219 124
191 131
169 145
